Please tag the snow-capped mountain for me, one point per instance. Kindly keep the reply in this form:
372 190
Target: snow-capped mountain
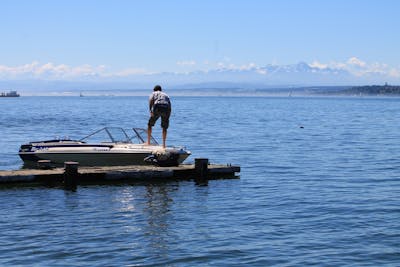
294 75
269 75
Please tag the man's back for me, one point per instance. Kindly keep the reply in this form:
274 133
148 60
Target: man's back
160 98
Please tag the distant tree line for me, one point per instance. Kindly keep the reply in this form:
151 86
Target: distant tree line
371 90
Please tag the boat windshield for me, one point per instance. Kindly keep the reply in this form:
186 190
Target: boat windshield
140 136
108 134
118 135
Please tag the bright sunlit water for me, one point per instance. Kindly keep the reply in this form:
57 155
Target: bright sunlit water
320 184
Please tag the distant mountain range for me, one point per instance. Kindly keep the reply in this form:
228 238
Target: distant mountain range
300 74
269 77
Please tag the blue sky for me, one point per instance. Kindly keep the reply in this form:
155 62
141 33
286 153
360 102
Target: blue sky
129 37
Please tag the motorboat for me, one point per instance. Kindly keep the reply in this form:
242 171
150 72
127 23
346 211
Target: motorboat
109 146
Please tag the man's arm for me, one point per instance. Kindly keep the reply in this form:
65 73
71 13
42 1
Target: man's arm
151 103
169 108
169 111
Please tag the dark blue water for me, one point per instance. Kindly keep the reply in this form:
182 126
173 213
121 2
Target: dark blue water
320 185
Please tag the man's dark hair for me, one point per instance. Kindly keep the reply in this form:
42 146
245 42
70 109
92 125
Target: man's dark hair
157 88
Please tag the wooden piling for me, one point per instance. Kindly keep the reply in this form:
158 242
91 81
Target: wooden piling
201 166
201 170
71 175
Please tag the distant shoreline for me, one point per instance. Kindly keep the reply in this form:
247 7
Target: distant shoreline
311 91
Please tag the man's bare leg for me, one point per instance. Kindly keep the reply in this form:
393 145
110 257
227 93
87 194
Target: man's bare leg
164 136
149 129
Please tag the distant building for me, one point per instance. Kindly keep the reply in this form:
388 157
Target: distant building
10 94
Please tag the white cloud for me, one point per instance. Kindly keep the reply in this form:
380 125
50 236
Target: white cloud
318 65
52 71
360 68
48 71
248 66
130 72
231 66
262 72
221 65
15 71
394 73
186 63
356 62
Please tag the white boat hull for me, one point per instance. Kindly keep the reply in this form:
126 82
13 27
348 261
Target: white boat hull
93 159
101 154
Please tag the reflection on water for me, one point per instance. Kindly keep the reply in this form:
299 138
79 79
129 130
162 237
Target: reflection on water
157 213
126 198
143 213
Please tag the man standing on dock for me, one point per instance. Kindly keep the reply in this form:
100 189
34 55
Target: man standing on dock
159 105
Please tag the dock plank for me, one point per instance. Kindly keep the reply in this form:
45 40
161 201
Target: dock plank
184 171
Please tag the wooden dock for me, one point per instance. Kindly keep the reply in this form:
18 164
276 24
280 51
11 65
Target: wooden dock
74 174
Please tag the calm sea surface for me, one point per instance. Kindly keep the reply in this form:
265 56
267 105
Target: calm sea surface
320 185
